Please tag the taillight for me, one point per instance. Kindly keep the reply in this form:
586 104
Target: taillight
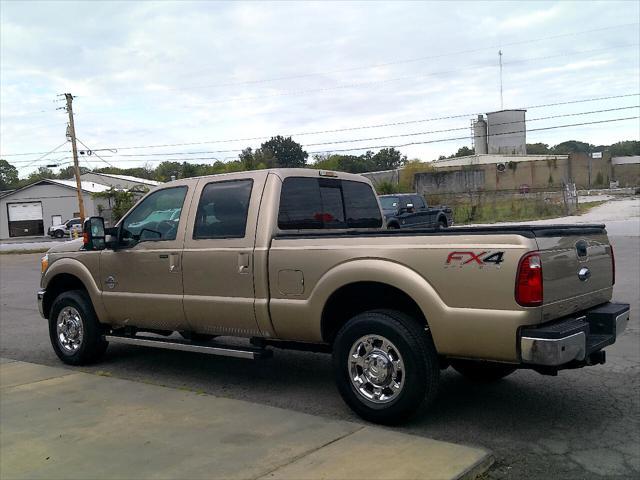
613 266
529 280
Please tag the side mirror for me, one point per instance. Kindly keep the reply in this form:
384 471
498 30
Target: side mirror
93 236
408 209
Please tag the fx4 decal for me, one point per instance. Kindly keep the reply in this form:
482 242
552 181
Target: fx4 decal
460 259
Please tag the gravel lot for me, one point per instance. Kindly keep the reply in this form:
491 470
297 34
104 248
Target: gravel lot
581 424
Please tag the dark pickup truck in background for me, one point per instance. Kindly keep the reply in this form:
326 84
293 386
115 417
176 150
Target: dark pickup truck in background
410 210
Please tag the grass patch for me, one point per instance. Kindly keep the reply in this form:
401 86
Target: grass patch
506 210
20 252
586 206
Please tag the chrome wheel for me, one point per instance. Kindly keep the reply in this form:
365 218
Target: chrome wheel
69 330
376 369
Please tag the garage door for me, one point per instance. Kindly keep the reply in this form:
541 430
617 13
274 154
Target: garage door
25 219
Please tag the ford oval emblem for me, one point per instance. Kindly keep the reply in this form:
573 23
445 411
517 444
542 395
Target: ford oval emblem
584 273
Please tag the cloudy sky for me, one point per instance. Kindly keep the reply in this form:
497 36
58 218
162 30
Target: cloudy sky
201 74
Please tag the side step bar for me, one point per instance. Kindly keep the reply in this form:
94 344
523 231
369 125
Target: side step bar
186 346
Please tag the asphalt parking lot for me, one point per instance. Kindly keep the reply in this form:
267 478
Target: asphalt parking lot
581 424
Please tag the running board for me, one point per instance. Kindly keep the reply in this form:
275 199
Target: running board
186 346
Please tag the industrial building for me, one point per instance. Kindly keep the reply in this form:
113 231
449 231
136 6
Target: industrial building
32 209
503 132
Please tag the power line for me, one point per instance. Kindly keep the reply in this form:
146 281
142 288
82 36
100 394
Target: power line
386 136
439 140
346 129
381 125
479 136
93 152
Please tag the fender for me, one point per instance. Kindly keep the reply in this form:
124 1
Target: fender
73 266
286 313
455 330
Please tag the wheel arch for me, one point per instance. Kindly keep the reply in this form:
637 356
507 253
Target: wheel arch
367 284
69 274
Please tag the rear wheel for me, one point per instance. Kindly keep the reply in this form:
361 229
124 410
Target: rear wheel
74 330
442 223
385 366
482 372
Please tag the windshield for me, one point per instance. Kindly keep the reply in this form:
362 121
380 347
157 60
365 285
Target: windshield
389 203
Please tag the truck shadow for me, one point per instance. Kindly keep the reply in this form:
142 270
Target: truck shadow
525 402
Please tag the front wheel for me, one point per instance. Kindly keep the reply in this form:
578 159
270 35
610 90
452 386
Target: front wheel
482 372
385 366
58 234
74 330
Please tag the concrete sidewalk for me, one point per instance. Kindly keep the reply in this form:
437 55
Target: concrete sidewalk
61 423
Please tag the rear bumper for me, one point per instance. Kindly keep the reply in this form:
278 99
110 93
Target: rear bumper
574 341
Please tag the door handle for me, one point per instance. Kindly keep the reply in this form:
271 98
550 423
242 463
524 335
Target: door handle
243 263
174 263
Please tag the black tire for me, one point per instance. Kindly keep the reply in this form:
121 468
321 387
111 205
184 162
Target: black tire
442 223
421 369
92 346
482 372
197 337
393 226
58 234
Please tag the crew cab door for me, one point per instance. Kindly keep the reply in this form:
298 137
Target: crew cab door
141 279
218 257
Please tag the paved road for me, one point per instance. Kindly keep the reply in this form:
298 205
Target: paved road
581 424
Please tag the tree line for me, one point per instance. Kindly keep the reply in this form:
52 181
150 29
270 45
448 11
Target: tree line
284 152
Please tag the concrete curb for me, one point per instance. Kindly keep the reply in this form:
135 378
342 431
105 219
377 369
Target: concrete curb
61 423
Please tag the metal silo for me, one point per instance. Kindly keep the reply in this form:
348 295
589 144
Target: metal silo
480 135
506 132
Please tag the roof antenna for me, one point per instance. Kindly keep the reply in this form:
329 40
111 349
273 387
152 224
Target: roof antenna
500 59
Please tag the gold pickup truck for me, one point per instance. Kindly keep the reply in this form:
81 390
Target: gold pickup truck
298 258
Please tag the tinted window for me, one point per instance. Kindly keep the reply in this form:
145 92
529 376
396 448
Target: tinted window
222 211
419 202
361 205
311 203
156 217
300 204
332 208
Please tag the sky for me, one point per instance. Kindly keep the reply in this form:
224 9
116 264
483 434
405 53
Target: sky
222 76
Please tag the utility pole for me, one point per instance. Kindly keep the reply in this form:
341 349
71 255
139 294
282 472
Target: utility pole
500 59
76 166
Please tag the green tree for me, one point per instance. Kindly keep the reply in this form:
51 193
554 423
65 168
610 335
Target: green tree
571 146
247 158
388 159
8 175
287 152
40 174
537 148
121 201
624 148
463 152
166 170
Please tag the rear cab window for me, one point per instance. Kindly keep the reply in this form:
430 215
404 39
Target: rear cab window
320 203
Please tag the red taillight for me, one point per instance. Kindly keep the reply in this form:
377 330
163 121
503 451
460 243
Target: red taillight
529 280
613 266
85 238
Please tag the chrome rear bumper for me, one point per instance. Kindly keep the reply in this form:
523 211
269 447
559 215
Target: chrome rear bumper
573 339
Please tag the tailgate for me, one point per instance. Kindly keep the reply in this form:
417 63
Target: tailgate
577 268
